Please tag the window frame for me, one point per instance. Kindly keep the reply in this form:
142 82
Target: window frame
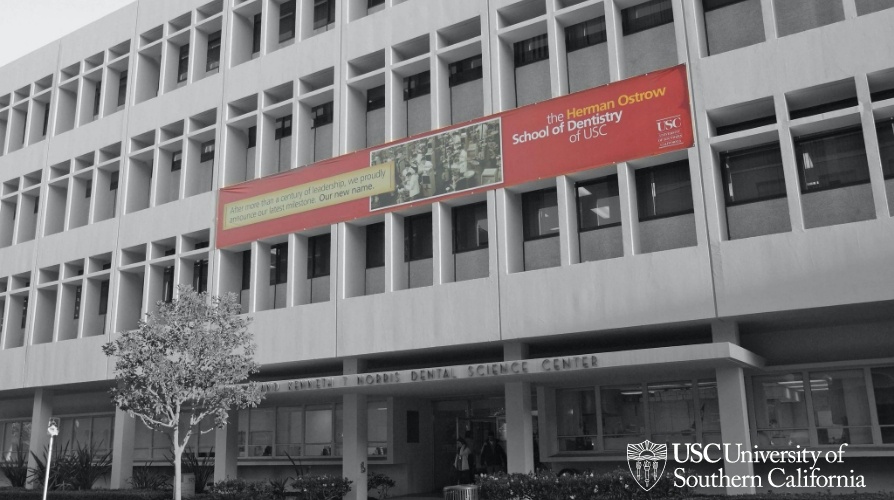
319 247
122 88
319 7
531 50
887 169
723 158
279 263
212 61
639 198
840 132
474 209
377 234
207 149
287 21
200 275
414 227
282 127
176 160
527 198
256 33
323 114
417 85
466 70
183 63
591 35
375 98
632 24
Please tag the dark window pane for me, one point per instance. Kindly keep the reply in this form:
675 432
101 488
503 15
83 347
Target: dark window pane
207 151
77 304
183 64
246 270
97 98
585 34
375 245
464 71
646 16
103 297
710 5
883 387
324 13
832 160
286 21
318 252
753 174
531 50
256 34
664 191
279 264
322 114
113 181
200 275
122 88
372 3
417 85
282 127
252 137
598 204
540 214
176 161
213 61
417 237
167 284
886 147
24 311
470 227
375 98
46 117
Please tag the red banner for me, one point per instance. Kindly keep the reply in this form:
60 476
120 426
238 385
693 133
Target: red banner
635 118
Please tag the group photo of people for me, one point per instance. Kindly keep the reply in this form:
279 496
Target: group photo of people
456 160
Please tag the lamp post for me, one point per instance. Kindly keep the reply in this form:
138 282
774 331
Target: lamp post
53 431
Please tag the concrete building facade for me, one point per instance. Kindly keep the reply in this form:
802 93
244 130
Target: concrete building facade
736 291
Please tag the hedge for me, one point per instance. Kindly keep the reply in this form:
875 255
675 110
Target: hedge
22 494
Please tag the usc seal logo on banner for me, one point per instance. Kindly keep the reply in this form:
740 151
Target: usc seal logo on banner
646 461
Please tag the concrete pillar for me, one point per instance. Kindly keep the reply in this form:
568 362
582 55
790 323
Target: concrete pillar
731 397
41 413
122 450
519 428
226 448
354 451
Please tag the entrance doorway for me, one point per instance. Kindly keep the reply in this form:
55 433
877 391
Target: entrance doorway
460 418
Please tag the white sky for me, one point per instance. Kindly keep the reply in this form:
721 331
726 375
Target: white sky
26 25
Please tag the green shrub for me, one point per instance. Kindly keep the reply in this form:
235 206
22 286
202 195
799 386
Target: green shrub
16 469
321 487
37 494
201 467
78 469
240 489
379 482
147 478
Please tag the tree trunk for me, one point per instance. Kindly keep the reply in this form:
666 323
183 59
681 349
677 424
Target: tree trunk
178 452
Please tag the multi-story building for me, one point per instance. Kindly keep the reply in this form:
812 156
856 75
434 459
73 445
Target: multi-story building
731 284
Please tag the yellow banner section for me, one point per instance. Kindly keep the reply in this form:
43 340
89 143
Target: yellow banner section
321 193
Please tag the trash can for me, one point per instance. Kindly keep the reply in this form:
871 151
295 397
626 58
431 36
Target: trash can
461 492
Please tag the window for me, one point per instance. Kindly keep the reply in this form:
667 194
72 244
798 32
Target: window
77 304
286 22
883 390
470 227
374 3
585 34
36 203
15 438
279 263
531 50
207 151
322 114
417 85
103 297
97 98
256 33
598 204
540 214
183 64
710 5
318 252
200 275
24 310
46 119
95 431
753 174
122 89
646 16
417 237
375 98
252 137
318 431
577 419
282 128
324 13
831 160
88 190
246 270
664 191
375 245
841 407
113 181
213 61
622 416
167 284
780 410
176 161
885 132
289 427
467 70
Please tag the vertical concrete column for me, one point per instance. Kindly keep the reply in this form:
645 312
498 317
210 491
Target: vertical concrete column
226 448
789 166
615 40
732 399
629 209
850 9
519 423
680 31
40 417
870 138
396 272
769 17
354 452
122 450
442 227
558 62
569 238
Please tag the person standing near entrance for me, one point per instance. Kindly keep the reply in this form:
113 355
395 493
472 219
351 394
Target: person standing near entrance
461 462
492 456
